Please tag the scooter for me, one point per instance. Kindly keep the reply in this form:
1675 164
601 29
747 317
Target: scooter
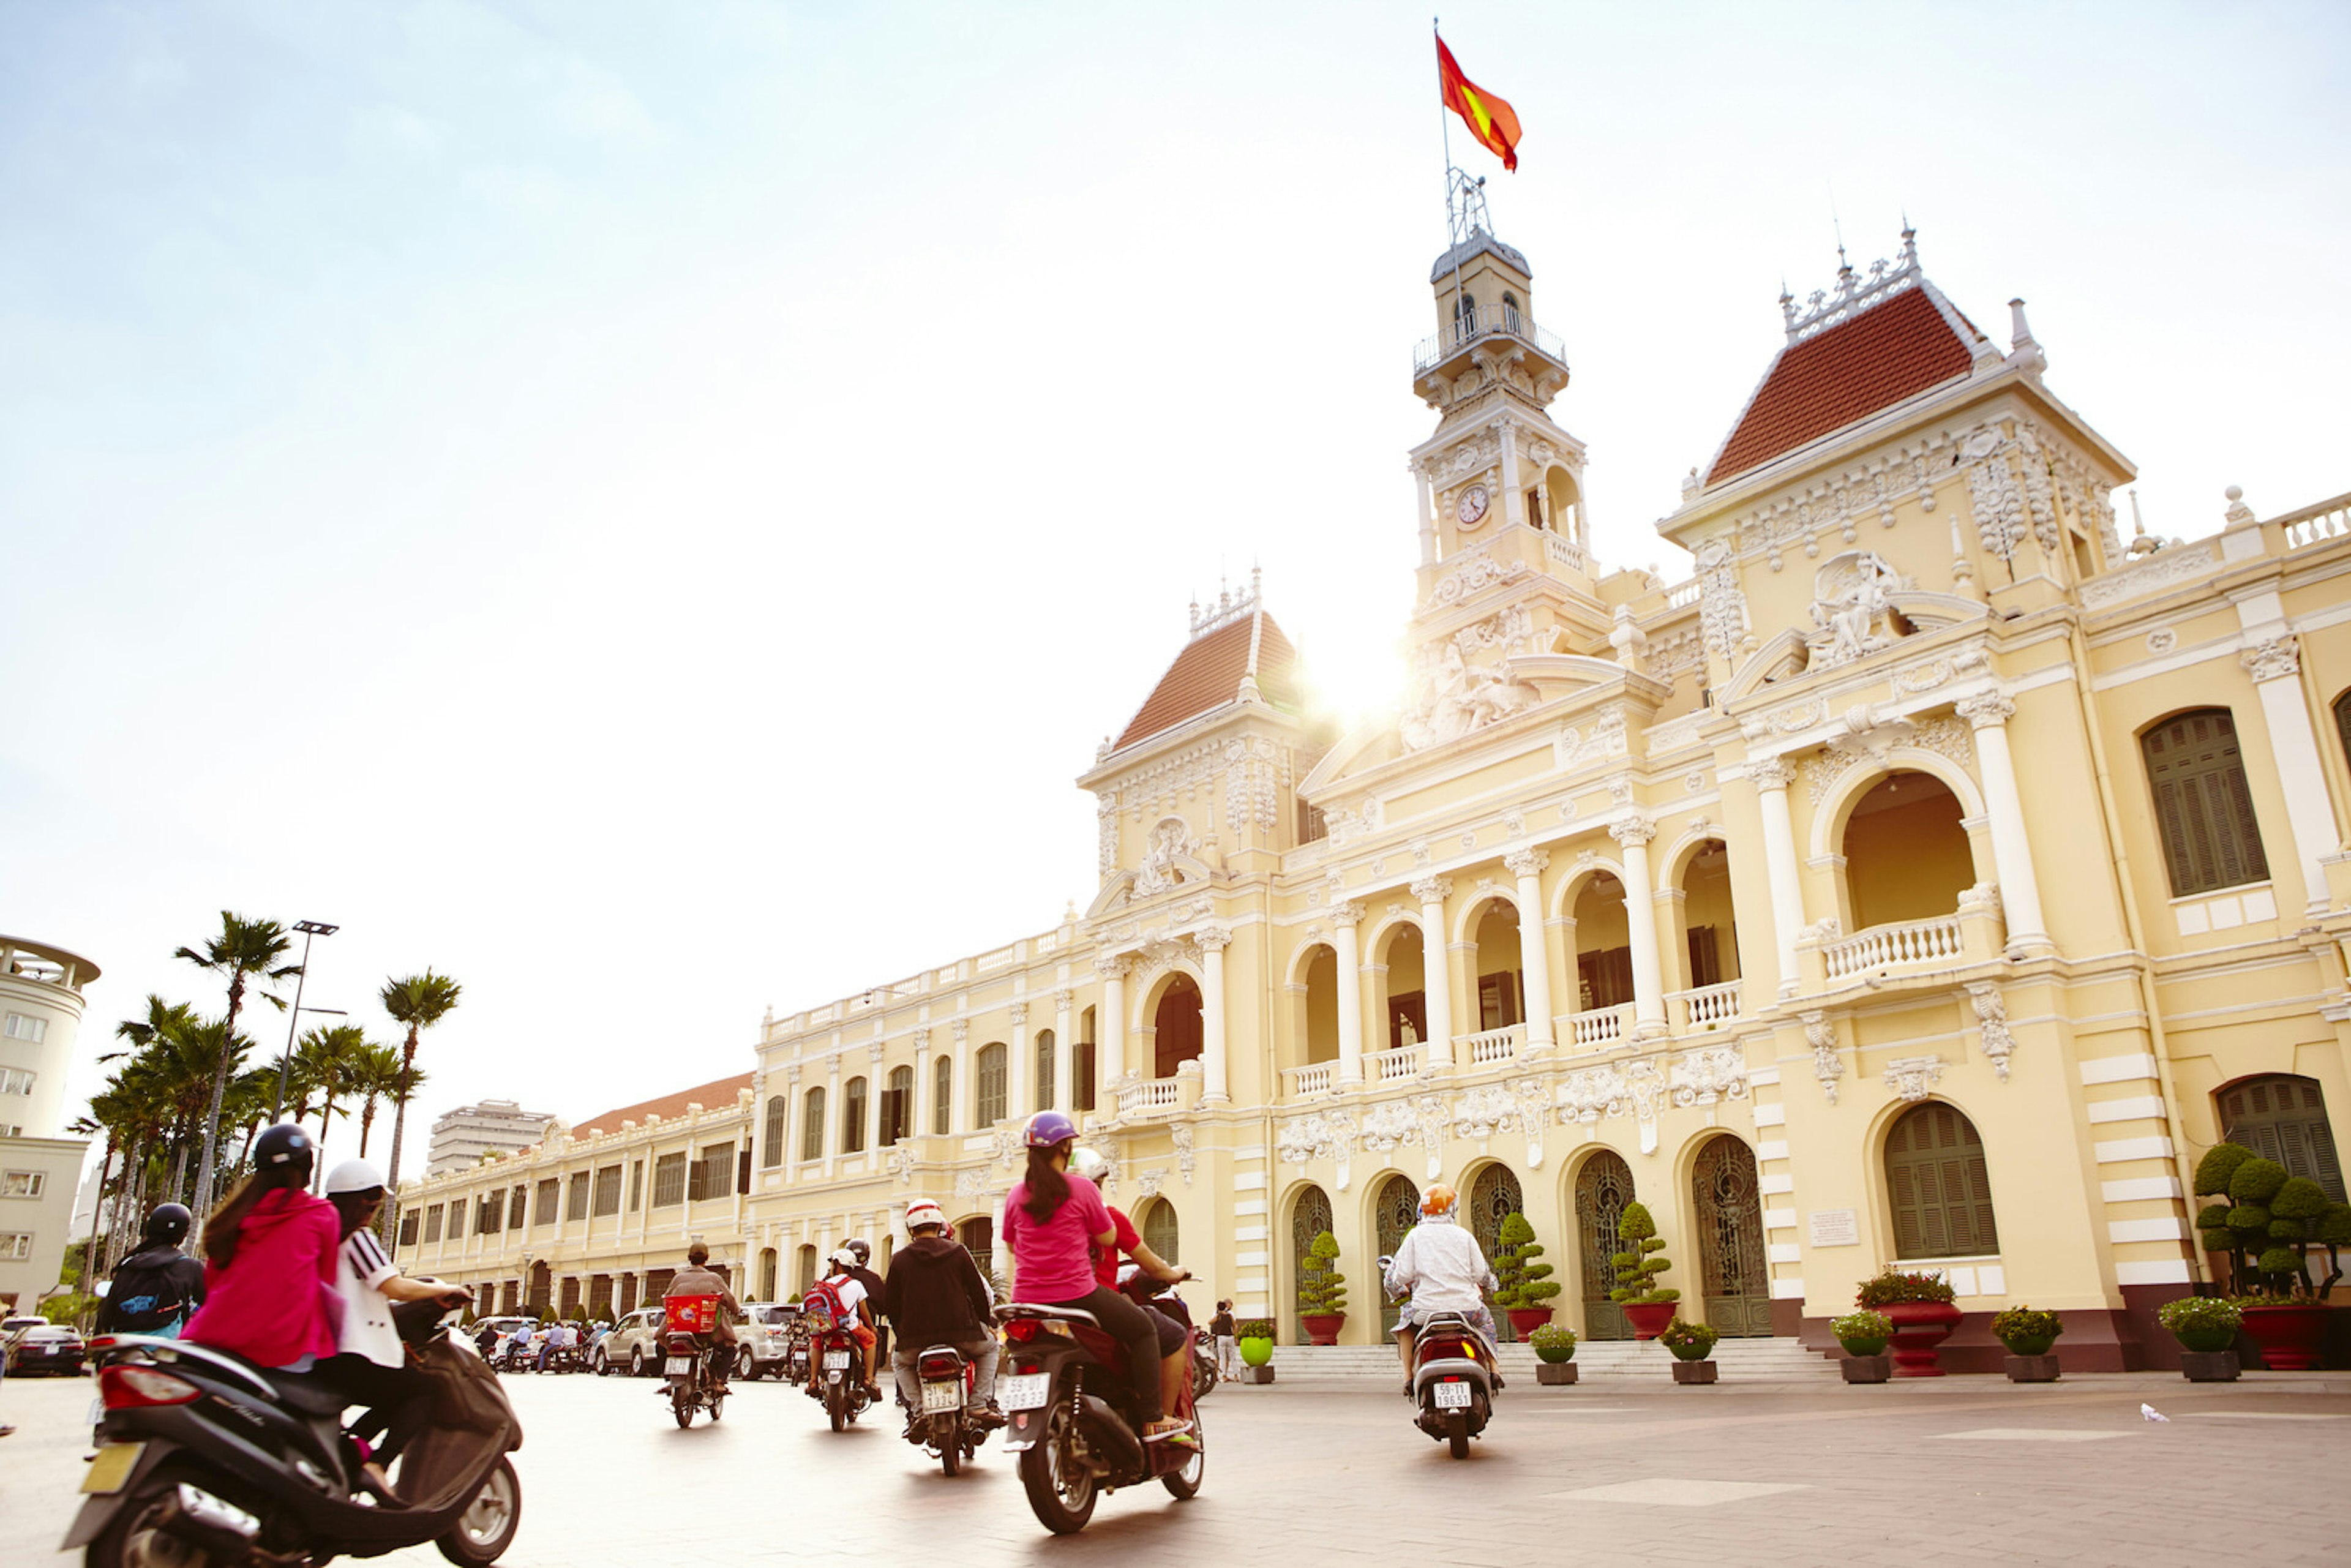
951 1422
1453 1380
835 1379
205 1460
688 1378
1070 1416
1203 1364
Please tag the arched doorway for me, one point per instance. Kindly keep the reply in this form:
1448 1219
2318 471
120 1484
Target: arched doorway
1734 1285
542 1288
1177 1027
1160 1231
803 1271
1603 1187
1309 1217
979 1238
1494 1198
1938 1187
1394 1213
1406 1020
2283 1118
1907 856
766 1273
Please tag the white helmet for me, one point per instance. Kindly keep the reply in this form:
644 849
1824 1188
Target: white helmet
922 1212
1089 1164
844 1258
353 1176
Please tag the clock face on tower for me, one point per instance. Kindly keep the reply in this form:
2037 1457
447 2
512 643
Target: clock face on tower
1471 508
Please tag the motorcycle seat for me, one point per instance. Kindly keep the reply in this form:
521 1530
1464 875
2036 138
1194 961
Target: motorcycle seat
1066 1314
304 1392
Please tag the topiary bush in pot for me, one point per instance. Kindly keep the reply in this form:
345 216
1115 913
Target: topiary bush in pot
1526 1286
1924 1311
1647 1303
1253 1337
1322 1290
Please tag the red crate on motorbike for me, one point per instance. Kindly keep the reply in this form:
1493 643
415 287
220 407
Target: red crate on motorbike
689 1314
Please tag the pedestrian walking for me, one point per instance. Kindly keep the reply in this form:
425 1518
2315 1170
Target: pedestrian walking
1228 1355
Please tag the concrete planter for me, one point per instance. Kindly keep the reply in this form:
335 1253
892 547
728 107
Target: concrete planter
1693 1371
2030 1368
1257 1374
1555 1373
2209 1366
1867 1368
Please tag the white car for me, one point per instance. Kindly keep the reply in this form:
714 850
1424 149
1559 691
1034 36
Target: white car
633 1346
766 1340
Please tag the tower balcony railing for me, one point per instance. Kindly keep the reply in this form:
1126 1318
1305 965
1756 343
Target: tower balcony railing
1480 323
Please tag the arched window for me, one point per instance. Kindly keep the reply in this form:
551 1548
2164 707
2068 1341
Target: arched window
2343 724
853 1116
942 1096
1465 313
2203 812
898 1106
804 1270
2283 1118
1159 1228
1940 1191
1081 1065
1178 1027
979 1238
766 1273
1510 311
1907 857
1044 1070
771 1141
989 1107
812 1125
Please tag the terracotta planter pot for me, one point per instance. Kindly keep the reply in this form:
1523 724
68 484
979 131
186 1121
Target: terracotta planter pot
2287 1332
1649 1318
1526 1320
1919 1328
1322 1328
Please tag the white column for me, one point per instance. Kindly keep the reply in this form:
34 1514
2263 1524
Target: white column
1110 1051
1632 835
2011 850
1514 505
959 1088
1770 778
793 1115
1021 1071
873 1084
1428 516
1344 918
1065 1051
1213 943
1535 951
919 1113
2275 665
1435 966
832 1117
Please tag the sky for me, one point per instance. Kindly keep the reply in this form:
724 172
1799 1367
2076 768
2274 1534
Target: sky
646 509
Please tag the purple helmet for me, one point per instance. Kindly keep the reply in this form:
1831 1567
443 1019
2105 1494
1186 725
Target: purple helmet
1047 1128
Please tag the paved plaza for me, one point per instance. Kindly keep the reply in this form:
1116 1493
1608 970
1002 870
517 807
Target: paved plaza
1966 1471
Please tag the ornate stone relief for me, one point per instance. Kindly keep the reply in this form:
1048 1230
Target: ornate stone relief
1997 501
1472 576
1914 1077
1148 1182
2166 568
968 1183
1433 889
1106 831
1397 1123
1452 695
1573 746
1944 736
1533 1098
1722 608
2272 659
1704 1077
900 1163
1828 1066
1181 1136
1170 840
1852 609
1318 1135
1484 1111
1991 1020
1633 1088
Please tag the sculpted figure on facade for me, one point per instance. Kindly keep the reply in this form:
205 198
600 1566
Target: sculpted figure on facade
1171 838
1451 696
1852 609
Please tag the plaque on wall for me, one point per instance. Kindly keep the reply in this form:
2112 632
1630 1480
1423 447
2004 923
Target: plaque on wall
1834 1227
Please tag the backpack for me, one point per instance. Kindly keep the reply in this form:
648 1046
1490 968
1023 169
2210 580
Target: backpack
144 1297
825 1297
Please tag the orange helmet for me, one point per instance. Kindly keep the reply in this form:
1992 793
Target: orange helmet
1438 1201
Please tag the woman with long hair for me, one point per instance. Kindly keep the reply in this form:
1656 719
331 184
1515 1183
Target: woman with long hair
269 1262
1052 1220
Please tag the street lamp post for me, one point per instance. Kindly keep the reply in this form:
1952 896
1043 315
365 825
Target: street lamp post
308 928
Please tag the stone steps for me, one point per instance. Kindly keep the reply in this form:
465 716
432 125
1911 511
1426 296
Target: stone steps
1740 1359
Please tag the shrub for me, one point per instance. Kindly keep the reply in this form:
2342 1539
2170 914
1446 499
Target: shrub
1254 1328
2212 1216
2201 1323
1864 1333
2256 1181
1553 1343
1320 1287
2269 1226
2219 1163
2021 1327
1639 1266
1879 1290
1524 1282
1689 1342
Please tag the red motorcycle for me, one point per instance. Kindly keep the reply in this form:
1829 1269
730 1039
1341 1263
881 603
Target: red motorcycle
1453 1380
1069 1415
834 1374
687 1369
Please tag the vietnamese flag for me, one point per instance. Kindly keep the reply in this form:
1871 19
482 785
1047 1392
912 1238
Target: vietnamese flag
1490 119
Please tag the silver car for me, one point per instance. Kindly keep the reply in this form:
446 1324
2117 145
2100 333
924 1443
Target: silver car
765 1341
633 1346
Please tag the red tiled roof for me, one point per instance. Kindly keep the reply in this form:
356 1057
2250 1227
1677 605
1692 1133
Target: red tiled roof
1887 352
713 1096
1208 675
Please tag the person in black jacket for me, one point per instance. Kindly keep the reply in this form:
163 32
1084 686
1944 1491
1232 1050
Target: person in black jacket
158 1288
858 1250
935 1296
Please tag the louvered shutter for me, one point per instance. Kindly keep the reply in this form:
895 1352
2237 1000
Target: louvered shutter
2204 806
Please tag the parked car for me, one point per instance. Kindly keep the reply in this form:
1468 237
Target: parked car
766 1340
633 1346
48 1348
11 1327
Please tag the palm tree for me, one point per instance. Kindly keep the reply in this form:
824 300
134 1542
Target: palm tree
420 1001
328 1058
244 950
170 1076
376 1077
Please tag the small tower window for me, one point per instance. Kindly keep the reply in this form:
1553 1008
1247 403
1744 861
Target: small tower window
1510 311
1465 313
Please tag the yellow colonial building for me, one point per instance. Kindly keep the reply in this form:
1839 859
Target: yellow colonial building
1928 880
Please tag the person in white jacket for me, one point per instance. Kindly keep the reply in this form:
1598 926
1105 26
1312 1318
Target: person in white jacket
1444 1269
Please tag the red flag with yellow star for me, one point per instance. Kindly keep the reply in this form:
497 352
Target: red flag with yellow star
1489 119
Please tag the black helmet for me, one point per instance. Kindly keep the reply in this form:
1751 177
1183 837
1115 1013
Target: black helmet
282 1150
167 1224
863 1252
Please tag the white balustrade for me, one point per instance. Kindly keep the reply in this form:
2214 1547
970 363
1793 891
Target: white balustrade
1914 942
1389 1066
1709 1007
1490 1045
1599 1029
2316 524
1316 1077
1152 1097
1565 551
1681 595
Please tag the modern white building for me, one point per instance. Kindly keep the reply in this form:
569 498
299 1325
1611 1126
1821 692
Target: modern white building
40 1011
466 1135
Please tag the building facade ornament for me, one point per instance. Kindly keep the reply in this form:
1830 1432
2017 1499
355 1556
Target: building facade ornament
1484 1111
1991 1022
1214 938
1828 1065
1987 711
1722 606
1347 914
1914 1077
1433 889
1770 773
1526 862
1634 1088
962 1028
1704 1077
1630 831
1180 1135
1018 1013
2272 659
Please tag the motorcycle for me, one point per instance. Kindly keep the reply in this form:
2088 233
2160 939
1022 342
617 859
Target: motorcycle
836 1379
688 1378
950 1423
796 1356
1203 1364
1453 1380
1070 1416
205 1460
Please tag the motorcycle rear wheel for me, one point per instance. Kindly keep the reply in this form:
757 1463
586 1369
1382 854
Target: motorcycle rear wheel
681 1404
1061 1491
949 1432
1203 1377
488 1527
1456 1435
130 1539
836 1405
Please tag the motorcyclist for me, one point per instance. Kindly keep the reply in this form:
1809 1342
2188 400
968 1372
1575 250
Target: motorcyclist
873 1282
840 1295
698 1278
935 1295
1174 1332
270 1261
155 1290
1446 1271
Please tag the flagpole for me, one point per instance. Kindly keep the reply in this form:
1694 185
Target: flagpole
1462 326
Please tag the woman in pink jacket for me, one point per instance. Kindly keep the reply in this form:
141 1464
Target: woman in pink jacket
269 1262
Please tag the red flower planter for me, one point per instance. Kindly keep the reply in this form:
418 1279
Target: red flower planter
1524 1321
1919 1328
1322 1328
2288 1332
1650 1319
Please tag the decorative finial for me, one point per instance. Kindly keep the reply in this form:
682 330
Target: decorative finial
2239 514
2022 350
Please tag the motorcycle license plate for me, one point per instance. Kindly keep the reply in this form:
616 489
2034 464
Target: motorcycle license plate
677 1365
938 1396
836 1361
112 1467
1453 1397
1023 1391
